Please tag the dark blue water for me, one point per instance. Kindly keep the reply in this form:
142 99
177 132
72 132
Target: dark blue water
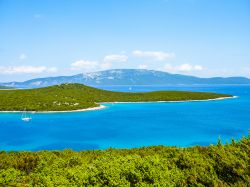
134 125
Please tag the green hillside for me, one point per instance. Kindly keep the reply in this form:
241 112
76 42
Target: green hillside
77 96
215 165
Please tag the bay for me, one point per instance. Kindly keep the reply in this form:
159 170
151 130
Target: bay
130 125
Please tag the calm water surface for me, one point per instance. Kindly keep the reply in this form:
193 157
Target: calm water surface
133 125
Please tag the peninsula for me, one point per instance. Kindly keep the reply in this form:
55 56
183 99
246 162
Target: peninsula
68 97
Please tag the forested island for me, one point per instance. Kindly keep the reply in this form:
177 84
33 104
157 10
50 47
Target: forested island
215 165
67 97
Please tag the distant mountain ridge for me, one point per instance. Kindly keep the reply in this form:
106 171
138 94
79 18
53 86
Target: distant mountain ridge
126 77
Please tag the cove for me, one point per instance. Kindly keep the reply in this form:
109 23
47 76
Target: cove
130 125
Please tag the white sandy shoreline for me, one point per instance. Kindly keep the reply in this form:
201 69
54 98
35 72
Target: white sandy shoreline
64 111
202 100
102 106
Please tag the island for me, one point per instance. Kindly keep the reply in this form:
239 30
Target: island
73 97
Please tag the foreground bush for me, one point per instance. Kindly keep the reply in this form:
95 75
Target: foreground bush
215 165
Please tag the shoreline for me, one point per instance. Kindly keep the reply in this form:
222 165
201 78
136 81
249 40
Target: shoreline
63 111
117 102
201 100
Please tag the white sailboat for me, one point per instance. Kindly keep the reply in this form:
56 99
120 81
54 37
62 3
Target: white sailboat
25 117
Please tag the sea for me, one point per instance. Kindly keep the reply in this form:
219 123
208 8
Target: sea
133 125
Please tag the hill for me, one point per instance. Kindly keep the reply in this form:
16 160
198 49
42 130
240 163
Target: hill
77 96
126 77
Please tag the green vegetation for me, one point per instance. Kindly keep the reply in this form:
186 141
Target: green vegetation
77 96
215 165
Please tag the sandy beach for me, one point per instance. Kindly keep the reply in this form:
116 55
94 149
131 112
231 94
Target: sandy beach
79 110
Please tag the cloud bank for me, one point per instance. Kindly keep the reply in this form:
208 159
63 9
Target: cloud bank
115 58
154 55
182 68
85 65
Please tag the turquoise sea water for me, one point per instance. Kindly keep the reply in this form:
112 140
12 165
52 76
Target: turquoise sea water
133 125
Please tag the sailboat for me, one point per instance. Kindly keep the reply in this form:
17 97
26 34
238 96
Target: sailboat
25 117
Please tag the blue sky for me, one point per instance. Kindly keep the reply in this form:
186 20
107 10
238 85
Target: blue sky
205 38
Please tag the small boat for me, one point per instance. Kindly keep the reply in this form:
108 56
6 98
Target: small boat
25 117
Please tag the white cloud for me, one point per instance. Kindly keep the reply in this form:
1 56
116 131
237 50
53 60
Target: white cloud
26 69
23 56
142 66
52 69
168 67
84 65
198 67
105 65
155 55
182 68
115 58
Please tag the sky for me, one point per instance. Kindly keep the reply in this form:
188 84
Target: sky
205 38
